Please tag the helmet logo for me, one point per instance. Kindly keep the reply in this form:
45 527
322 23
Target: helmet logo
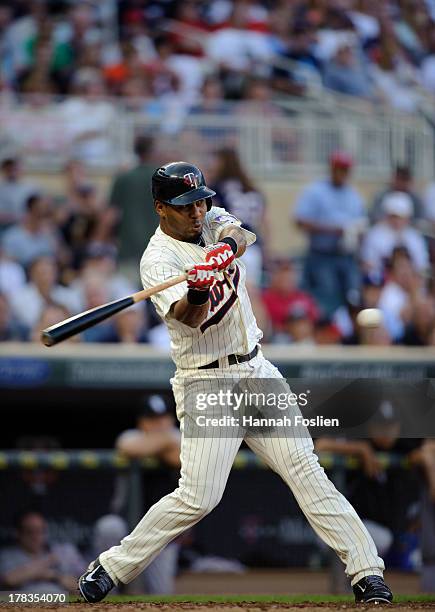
191 180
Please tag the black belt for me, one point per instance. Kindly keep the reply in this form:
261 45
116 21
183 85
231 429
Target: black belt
232 360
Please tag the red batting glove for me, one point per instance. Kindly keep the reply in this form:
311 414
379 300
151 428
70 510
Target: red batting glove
219 255
200 277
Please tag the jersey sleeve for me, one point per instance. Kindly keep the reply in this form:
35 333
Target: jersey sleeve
306 208
218 218
156 273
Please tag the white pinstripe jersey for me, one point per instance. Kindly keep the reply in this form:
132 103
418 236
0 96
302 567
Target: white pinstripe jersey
230 326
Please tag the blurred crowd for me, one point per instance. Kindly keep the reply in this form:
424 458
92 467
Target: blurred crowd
66 251
151 53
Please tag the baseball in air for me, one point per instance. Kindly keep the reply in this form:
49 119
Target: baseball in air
369 317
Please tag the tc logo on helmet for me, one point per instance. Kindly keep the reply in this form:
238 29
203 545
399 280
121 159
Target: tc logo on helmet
191 180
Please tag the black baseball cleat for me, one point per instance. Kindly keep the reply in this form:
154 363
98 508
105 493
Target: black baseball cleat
372 589
95 583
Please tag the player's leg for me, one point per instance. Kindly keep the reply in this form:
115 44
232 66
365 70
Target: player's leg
327 510
205 465
159 576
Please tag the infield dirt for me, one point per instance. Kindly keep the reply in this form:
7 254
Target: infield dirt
213 607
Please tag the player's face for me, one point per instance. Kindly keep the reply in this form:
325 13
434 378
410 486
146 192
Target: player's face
339 175
163 422
33 533
182 222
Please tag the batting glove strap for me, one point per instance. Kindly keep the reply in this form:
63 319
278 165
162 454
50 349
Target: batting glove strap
232 242
198 298
200 277
219 255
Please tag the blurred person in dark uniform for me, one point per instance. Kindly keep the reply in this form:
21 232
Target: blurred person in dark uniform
131 197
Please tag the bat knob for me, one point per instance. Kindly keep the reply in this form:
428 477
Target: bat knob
46 339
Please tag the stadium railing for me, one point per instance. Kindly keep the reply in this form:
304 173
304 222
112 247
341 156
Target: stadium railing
143 366
295 143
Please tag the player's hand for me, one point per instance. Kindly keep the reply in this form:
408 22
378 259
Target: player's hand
371 465
219 255
200 277
43 568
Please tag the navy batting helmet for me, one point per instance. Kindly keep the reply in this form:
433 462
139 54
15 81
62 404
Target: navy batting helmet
180 183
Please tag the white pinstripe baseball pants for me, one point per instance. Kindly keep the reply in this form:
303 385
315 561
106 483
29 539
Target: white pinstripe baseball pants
205 465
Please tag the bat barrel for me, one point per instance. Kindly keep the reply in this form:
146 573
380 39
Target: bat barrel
75 325
78 323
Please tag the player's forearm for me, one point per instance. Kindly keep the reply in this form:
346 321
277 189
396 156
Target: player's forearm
171 456
15 578
137 444
20 575
317 228
191 314
235 232
341 447
8 218
69 583
425 457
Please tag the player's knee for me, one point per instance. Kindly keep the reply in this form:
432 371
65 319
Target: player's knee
205 506
200 505
211 503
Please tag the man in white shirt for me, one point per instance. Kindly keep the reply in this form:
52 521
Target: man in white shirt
403 288
35 236
29 302
88 119
331 213
393 231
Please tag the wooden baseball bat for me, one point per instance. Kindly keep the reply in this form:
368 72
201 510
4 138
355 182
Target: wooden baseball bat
78 323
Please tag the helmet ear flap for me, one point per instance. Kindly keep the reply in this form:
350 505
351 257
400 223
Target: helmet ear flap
208 202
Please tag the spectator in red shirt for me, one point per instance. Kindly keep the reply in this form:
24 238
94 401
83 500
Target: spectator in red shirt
283 293
189 29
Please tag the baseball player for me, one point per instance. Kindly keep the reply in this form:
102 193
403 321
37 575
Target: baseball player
214 336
